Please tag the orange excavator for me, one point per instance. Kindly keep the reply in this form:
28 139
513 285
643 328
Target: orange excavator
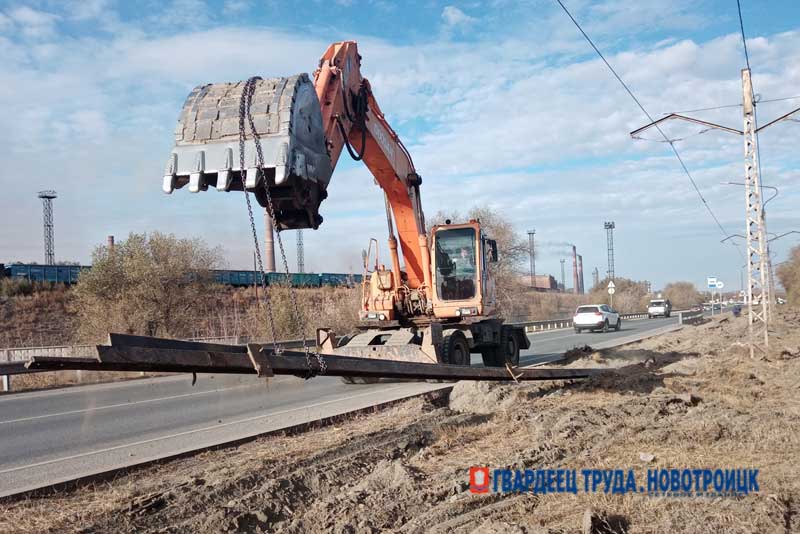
436 302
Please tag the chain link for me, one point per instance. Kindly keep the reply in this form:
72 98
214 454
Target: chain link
298 318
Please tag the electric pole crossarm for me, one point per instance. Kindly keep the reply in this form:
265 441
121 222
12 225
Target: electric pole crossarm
685 118
782 117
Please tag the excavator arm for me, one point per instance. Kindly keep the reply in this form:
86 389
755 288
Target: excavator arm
301 128
352 119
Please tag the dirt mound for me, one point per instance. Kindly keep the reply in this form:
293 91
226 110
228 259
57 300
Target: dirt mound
480 397
690 399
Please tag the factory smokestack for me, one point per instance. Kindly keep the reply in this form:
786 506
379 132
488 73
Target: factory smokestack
110 242
575 288
269 244
580 274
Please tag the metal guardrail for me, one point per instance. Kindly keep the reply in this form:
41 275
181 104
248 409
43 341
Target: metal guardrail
558 324
690 317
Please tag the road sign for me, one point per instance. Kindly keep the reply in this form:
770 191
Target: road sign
611 285
611 290
711 282
720 285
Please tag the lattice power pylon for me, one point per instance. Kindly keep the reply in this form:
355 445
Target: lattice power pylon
609 226
301 262
760 281
47 209
758 290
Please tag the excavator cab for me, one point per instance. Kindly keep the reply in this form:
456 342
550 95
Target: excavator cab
463 284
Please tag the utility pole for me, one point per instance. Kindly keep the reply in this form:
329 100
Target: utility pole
563 280
532 233
301 263
609 226
759 288
47 210
756 232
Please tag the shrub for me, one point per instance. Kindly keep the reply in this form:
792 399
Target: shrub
149 284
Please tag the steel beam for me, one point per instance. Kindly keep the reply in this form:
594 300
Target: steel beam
165 355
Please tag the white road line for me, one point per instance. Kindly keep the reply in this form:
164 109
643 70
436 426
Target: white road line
161 438
146 401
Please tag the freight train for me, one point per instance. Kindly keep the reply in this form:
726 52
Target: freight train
68 274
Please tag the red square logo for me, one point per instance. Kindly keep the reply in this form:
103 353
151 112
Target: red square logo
479 479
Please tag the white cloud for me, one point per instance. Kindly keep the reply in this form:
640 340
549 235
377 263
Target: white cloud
530 130
87 9
453 17
236 7
33 23
5 22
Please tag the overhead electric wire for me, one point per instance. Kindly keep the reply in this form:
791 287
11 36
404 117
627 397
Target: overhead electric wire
671 144
741 27
779 99
736 105
706 109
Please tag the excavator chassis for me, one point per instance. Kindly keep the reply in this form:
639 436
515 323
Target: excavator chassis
288 121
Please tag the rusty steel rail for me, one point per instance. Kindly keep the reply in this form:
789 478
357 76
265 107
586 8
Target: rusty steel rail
138 353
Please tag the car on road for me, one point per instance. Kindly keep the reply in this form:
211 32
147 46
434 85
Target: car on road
659 308
596 317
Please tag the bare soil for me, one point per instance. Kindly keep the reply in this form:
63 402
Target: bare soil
691 399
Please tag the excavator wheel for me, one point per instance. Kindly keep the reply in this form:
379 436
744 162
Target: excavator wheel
456 349
509 344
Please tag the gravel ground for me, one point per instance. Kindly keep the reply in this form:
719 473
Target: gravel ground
688 399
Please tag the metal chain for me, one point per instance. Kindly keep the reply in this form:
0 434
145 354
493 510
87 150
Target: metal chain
299 319
267 299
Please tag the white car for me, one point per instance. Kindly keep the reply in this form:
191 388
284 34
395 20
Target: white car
659 308
596 317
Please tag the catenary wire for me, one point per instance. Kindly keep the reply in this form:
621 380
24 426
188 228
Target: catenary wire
638 103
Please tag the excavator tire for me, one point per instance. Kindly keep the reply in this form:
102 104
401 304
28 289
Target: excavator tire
509 345
456 349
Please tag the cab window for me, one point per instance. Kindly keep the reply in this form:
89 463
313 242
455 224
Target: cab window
456 267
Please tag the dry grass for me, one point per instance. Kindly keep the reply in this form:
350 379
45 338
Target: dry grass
406 468
45 317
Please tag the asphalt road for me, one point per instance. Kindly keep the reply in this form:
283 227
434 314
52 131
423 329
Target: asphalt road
54 436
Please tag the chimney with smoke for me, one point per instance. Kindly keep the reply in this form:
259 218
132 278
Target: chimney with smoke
575 288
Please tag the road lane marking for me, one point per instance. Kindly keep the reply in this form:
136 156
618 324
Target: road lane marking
196 430
132 403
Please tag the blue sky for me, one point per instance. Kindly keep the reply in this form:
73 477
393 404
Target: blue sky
501 103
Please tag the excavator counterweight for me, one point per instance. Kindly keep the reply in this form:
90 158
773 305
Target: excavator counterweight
287 119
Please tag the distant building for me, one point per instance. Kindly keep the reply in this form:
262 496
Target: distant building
541 282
